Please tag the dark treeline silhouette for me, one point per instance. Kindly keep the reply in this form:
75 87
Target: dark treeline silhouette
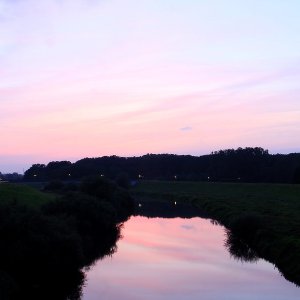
43 250
11 176
240 165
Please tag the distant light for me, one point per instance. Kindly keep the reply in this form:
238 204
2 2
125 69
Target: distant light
34 175
175 202
140 176
175 177
208 177
140 205
102 175
239 178
69 174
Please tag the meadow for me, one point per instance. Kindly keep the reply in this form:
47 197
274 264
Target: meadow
24 194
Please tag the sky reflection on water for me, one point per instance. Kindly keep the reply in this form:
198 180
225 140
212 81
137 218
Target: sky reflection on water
181 259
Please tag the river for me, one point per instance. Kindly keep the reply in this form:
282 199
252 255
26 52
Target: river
181 258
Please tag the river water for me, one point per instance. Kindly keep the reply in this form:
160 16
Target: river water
181 258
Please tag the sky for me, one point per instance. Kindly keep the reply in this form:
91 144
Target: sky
87 78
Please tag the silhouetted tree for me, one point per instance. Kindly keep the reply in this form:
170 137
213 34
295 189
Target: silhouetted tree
297 175
237 165
123 181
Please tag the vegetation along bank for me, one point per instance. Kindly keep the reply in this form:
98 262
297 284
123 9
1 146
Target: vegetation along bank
47 238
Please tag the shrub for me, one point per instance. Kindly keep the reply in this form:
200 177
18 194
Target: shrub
55 185
246 226
35 248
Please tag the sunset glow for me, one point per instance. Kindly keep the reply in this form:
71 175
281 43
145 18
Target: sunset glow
102 77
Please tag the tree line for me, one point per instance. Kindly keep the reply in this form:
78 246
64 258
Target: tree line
234 165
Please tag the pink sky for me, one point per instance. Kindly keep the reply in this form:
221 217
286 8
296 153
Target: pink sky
91 78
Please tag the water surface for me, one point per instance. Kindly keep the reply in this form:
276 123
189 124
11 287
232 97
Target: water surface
177 258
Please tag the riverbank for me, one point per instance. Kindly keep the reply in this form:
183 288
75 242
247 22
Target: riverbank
47 238
265 216
24 194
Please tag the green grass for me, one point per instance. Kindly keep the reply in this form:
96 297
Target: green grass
269 200
23 194
278 205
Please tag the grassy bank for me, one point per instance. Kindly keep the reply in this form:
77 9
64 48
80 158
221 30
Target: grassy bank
265 215
46 238
24 194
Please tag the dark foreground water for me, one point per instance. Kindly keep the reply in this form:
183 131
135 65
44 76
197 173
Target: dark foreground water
178 258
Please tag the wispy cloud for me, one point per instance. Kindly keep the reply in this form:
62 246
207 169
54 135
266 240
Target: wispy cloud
188 227
186 128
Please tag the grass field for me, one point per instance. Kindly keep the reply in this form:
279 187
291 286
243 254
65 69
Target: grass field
23 194
229 199
277 205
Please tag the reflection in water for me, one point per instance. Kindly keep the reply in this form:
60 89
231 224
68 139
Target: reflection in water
239 249
236 246
215 222
182 258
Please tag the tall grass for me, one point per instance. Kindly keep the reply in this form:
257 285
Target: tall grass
24 194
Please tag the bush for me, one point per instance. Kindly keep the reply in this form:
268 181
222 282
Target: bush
246 226
123 181
94 221
98 187
36 249
108 191
55 185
